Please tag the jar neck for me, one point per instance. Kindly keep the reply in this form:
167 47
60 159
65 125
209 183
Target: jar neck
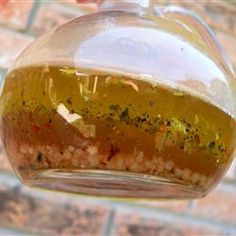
127 5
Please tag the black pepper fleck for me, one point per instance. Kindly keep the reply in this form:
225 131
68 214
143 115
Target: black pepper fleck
39 156
124 114
69 101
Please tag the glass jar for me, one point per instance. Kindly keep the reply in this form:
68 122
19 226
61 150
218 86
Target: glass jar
135 102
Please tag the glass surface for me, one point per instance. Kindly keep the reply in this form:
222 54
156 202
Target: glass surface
122 103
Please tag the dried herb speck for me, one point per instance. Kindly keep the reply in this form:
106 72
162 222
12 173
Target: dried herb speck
124 115
69 101
39 156
114 108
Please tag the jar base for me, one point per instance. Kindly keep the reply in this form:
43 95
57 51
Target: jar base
118 184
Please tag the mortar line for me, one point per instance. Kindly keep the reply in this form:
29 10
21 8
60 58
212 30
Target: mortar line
16 232
175 216
32 15
109 225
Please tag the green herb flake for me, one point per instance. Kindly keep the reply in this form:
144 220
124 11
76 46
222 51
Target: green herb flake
179 93
114 108
178 126
124 116
68 71
196 119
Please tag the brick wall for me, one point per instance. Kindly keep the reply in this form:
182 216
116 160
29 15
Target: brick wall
24 211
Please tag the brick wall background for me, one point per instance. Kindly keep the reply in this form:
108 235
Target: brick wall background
25 211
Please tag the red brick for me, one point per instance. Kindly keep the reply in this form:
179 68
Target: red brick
220 205
51 15
49 214
137 225
229 44
85 8
15 13
219 14
11 44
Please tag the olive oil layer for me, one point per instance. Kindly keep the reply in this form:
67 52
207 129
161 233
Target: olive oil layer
121 116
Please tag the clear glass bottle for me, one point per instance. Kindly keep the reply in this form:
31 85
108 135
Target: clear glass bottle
133 101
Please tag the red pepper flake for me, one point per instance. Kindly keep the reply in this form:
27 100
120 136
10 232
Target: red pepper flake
30 117
164 128
197 138
47 125
113 151
35 128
